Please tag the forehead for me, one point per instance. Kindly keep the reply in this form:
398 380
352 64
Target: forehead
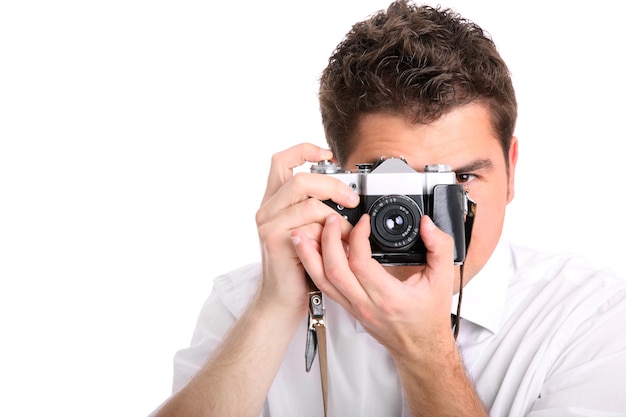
463 134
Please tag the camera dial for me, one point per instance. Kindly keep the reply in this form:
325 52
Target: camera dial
437 168
325 167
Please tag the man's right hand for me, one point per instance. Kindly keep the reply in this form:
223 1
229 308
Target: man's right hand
293 202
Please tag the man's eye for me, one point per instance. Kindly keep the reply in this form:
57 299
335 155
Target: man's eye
464 178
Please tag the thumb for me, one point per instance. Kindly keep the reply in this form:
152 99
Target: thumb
439 246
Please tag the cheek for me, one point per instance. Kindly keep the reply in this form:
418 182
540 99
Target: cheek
485 236
486 230
488 223
489 220
491 201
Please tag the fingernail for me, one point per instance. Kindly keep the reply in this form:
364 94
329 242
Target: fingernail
295 239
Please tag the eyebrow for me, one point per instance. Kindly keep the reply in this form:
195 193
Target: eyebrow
476 165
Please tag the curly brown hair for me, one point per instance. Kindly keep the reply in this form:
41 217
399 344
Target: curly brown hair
419 62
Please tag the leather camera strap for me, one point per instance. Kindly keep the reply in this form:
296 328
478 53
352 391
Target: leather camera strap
316 337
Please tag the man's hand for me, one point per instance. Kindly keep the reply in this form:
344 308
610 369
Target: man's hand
293 203
401 314
407 312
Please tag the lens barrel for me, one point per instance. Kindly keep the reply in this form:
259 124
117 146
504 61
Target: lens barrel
395 222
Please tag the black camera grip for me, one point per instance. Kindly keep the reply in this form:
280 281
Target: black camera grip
448 210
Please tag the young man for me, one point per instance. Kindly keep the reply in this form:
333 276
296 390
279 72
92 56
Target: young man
538 335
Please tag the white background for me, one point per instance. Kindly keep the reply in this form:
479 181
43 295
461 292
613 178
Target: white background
135 141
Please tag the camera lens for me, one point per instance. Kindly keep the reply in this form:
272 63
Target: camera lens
395 221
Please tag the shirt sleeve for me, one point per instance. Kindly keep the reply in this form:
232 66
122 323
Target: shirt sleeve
229 297
212 324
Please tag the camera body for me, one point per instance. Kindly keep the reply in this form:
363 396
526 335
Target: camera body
396 197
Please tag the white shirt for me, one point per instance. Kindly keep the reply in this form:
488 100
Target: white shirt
540 335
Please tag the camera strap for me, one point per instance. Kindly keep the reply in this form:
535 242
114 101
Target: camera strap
316 337
470 216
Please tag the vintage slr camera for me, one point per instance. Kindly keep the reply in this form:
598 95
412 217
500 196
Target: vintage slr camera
396 197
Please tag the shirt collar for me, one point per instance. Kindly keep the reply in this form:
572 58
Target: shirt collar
484 295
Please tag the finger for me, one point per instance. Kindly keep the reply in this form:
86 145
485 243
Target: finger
295 196
309 252
282 269
312 233
366 269
360 243
336 265
283 163
271 219
276 243
439 251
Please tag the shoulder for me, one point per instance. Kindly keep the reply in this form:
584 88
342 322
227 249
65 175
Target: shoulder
533 265
236 287
564 281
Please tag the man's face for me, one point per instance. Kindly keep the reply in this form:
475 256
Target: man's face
462 139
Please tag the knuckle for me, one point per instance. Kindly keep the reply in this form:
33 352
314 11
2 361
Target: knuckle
263 231
300 179
333 272
365 313
260 217
357 267
388 308
312 203
273 242
276 158
311 211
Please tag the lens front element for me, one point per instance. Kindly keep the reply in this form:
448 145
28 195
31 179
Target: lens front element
395 221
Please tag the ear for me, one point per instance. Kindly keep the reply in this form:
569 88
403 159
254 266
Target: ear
512 164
